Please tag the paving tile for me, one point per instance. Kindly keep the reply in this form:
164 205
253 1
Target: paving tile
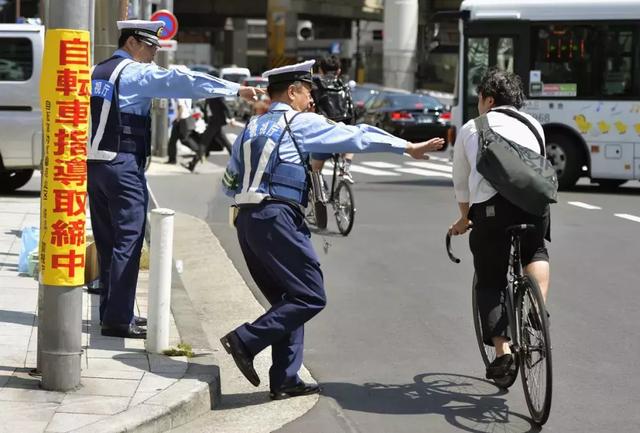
112 374
25 417
9 393
117 354
166 364
107 387
119 364
154 383
65 422
93 404
140 397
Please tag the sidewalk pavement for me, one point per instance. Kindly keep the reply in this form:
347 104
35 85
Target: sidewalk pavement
123 388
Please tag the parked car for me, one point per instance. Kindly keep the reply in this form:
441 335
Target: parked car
207 69
246 109
21 49
237 75
411 116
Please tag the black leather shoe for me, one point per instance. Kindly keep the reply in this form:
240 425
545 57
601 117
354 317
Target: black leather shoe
500 366
295 391
244 361
124 331
140 321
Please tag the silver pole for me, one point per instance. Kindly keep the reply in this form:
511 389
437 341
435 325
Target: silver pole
161 106
61 319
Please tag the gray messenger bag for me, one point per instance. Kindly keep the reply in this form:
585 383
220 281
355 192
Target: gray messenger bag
525 178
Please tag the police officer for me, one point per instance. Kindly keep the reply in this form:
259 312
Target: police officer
122 89
267 176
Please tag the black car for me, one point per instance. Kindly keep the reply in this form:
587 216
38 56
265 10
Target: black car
411 116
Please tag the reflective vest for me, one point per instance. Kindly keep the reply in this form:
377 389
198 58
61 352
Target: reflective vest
265 175
111 130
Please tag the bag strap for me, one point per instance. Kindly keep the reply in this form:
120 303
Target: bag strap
514 114
304 161
482 125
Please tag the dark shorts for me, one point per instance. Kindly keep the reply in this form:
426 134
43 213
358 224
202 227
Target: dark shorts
321 156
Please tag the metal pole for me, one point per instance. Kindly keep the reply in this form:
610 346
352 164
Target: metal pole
161 252
161 106
61 319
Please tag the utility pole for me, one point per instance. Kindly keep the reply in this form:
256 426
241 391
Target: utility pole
160 112
62 261
399 44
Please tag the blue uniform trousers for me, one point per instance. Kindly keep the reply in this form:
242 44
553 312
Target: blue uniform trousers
277 247
118 200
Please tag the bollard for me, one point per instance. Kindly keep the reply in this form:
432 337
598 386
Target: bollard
161 252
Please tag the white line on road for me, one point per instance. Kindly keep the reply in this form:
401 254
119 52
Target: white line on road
439 158
583 205
380 164
425 173
371 171
431 165
628 217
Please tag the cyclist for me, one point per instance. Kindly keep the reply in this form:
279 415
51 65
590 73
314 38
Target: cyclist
482 207
332 99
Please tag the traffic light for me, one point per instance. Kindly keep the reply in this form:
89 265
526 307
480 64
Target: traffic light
305 30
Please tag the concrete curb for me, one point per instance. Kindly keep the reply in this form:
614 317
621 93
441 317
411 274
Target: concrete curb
197 392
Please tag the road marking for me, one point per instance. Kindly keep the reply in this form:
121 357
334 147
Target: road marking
431 165
439 158
583 205
371 171
628 217
425 173
380 164
231 137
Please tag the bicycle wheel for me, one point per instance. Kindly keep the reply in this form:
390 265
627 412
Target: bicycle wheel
488 353
344 208
535 350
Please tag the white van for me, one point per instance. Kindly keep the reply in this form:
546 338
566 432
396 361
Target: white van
21 48
237 75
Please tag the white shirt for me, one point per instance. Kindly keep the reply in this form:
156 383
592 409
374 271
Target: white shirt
184 108
468 184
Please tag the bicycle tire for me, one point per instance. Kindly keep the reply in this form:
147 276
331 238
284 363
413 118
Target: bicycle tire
488 353
535 339
344 210
320 213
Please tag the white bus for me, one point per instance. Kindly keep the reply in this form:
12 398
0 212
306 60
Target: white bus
580 64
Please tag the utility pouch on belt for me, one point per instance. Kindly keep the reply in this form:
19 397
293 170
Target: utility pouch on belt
233 215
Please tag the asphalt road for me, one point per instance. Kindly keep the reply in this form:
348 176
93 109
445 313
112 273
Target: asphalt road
395 350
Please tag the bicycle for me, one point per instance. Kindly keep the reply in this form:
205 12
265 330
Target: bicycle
340 196
528 330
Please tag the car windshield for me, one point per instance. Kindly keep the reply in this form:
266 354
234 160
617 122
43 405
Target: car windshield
362 94
236 78
414 102
256 83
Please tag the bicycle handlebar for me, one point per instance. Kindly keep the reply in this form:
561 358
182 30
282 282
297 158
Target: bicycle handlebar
447 241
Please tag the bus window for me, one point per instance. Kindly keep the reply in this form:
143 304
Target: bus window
618 65
564 56
505 54
477 63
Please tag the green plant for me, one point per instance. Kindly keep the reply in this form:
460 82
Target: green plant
183 349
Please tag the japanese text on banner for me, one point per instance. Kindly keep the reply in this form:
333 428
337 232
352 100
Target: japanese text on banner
65 89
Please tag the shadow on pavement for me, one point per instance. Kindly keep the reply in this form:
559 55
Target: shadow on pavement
596 189
468 403
18 317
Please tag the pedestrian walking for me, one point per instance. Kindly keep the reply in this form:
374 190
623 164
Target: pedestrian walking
182 128
122 89
214 137
267 175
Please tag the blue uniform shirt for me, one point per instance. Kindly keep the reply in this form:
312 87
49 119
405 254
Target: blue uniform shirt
141 82
313 133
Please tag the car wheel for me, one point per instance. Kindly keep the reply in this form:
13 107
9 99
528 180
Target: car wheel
14 179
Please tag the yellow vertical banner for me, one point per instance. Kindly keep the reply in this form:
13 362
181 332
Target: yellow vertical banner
65 89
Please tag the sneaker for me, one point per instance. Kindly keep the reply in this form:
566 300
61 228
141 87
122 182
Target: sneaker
499 367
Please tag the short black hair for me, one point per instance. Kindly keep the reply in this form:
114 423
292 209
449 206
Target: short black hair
504 86
329 64
122 40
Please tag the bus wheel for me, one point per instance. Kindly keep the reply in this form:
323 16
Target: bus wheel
564 155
